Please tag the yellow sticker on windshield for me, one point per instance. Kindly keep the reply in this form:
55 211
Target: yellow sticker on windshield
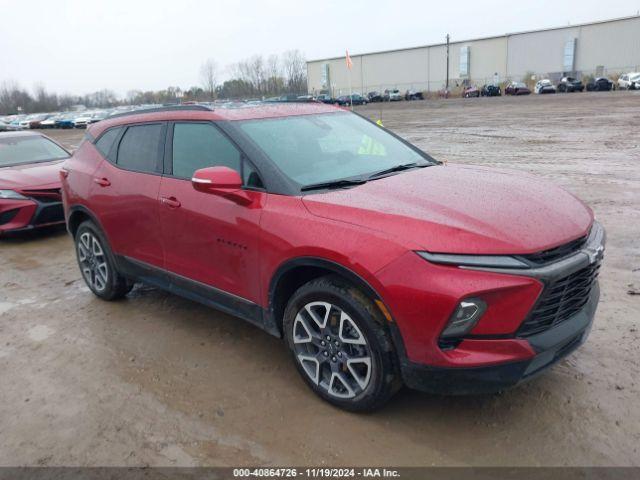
370 147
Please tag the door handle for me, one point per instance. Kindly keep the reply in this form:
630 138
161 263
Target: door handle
171 202
103 182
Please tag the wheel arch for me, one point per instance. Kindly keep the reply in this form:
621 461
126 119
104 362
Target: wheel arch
79 214
294 273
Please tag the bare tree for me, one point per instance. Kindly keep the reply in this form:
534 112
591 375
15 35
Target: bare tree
274 75
209 77
295 71
14 99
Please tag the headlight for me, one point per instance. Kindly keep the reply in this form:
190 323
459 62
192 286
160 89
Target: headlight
11 195
490 261
464 318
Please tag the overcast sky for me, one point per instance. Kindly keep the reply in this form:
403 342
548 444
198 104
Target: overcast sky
79 46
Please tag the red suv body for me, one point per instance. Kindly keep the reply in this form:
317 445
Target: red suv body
379 265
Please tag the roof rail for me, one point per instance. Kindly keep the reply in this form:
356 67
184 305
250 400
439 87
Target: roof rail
168 108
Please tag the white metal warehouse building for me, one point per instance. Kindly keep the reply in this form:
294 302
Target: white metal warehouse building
606 47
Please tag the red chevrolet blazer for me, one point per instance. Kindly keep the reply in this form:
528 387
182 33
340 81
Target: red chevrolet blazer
378 265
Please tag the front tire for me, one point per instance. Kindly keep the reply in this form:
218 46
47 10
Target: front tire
340 345
97 263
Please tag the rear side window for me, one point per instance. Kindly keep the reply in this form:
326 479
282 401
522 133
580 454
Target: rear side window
200 145
140 148
105 142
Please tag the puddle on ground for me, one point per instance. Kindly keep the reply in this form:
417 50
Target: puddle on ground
40 333
6 306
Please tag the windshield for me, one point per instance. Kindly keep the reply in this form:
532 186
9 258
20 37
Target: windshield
312 149
23 150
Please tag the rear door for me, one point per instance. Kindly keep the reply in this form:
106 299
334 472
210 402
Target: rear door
209 239
125 193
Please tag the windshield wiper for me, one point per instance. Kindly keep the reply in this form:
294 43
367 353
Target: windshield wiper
333 184
397 168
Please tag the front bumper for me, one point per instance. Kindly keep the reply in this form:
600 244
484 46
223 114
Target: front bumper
528 324
549 346
22 215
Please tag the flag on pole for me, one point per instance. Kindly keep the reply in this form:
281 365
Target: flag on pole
349 62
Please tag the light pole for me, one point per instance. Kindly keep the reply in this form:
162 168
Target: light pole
447 81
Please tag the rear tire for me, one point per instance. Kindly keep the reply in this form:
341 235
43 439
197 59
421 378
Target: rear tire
97 263
340 345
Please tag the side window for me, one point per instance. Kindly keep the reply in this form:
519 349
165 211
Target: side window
250 176
140 148
105 142
200 145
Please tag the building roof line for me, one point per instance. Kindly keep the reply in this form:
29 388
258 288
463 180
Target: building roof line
491 37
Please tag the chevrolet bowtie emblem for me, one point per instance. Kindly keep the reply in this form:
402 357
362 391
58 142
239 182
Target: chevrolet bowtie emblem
595 254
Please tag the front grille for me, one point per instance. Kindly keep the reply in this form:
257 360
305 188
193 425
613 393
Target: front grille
49 214
556 253
561 300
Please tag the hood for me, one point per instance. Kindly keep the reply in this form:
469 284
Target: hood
30 176
461 209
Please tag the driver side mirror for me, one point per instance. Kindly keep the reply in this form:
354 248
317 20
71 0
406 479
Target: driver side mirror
220 181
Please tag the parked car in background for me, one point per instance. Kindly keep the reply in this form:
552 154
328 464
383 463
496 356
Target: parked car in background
629 81
517 88
9 127
544 86
599 84
374 97
29 181
17 121
325 98
36 120
98 116
570 84
413 95
66 120
374 263
82 120
392 95
470 92
491 90
355 99
288 97
25 121
51 121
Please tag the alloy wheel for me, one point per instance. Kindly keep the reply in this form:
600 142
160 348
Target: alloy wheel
332 350
93 262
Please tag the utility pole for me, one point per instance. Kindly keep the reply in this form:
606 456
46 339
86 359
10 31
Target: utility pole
447 82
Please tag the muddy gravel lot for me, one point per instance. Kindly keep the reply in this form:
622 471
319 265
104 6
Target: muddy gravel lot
158 380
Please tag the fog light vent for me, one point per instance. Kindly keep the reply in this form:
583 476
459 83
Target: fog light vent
464 318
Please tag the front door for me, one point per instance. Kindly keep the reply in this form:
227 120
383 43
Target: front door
209 239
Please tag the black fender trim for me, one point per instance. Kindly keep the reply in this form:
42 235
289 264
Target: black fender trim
86 211
317 262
